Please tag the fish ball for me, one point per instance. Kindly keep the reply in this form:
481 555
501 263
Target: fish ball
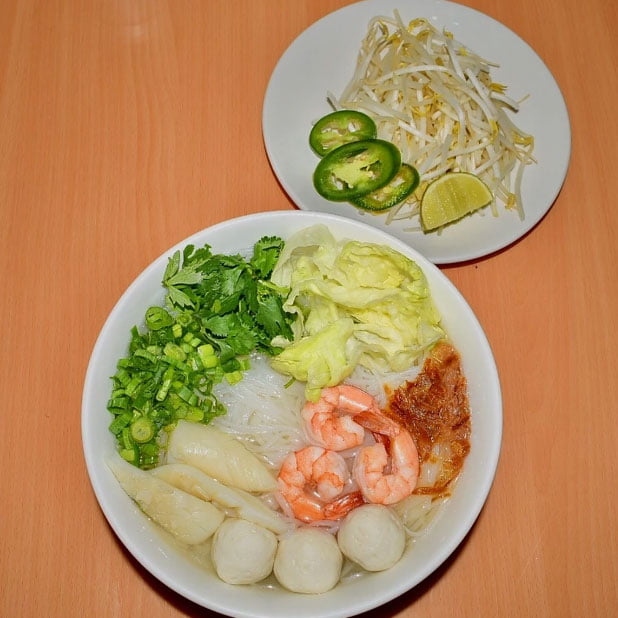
243 552
308 560
373 536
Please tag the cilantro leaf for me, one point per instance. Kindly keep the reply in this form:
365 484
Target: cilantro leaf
176 297
270 314
173 264
229 295
186 276
266 252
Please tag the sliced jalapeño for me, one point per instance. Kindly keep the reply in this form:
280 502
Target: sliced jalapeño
355 169
403 183
339 128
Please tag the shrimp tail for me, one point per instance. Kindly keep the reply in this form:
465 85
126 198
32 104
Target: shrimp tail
342 506
377 423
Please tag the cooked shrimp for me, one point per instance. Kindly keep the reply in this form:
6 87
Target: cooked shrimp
396 447
311 481
329 422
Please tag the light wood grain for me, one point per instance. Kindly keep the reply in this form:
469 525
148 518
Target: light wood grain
127 126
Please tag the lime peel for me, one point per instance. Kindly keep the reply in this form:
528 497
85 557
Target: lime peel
451 197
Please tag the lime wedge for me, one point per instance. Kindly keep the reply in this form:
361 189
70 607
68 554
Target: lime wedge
452 196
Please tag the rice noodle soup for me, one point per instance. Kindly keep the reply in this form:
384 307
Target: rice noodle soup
255 406
235 489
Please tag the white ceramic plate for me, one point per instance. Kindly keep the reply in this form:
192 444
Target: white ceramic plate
169 565
322 59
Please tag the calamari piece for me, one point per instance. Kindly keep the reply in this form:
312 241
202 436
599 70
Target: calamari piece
372 536
220 455
308 560
186 517
243 552
244 504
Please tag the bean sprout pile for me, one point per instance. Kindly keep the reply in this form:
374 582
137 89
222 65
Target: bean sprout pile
436 101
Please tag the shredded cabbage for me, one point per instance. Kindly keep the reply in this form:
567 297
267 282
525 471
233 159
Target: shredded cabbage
436 101
357 304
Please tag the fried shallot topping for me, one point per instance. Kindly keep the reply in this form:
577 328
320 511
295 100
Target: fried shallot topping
434 408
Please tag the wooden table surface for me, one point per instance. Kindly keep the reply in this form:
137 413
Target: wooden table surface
127 126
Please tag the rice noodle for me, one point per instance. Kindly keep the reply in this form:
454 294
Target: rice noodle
377 384
437 102
262 412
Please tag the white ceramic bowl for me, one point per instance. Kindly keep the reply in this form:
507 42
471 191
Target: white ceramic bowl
170 565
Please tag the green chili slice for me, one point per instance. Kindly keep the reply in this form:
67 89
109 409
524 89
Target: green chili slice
339 128
355 169
403 183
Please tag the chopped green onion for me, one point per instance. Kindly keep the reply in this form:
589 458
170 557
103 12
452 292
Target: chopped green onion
192 340
231 365
126 439
185 394
165 386
158 318
149 455
130 454
118 404
174 351
233 377
149 356
122 377
195 414
289 383
207 355
210 362
133 386
142 429
120 422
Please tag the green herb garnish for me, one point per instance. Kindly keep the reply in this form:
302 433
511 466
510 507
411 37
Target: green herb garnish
218 309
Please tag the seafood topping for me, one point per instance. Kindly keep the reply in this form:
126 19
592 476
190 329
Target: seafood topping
312 480
434 408
329 422
380 485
